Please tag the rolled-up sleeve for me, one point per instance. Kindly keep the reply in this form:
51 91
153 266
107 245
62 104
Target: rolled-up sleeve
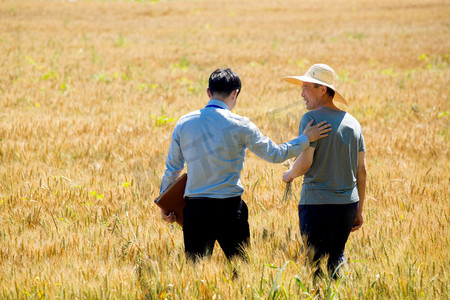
266 149
174 163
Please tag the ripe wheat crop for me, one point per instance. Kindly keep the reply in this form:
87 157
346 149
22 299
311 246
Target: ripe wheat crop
90 92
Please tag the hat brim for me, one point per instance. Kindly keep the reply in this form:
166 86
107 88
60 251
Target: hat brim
298 80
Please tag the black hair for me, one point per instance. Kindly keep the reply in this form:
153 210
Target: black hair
224 81
330 91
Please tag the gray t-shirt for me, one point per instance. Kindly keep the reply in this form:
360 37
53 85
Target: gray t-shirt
332 176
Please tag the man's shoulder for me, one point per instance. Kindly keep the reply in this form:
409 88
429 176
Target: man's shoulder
325 112
224 117
189 116
351 119
238 119
311 115
228 118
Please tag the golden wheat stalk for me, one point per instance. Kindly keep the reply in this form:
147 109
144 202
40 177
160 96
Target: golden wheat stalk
287 194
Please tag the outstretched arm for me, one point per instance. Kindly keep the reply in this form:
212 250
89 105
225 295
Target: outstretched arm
361 184
269 151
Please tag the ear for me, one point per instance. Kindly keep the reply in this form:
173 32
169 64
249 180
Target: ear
323 89
235 93
208 91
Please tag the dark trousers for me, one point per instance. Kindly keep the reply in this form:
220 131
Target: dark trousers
206 220
326 229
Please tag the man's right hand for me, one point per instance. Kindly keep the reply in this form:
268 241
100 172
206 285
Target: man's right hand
169 218
287 176
358 222
317 131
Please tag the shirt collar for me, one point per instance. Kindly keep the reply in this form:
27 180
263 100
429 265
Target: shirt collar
218 103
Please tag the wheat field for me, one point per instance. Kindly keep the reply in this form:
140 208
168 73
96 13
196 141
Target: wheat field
90 92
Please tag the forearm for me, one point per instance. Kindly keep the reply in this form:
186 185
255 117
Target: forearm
298 169
301 165
274 153
361 185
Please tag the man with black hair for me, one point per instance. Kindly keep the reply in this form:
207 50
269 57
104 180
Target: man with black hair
212 142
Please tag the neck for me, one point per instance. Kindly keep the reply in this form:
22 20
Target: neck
228 101
328 102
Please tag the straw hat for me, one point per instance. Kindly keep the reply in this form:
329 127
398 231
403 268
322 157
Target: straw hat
320 74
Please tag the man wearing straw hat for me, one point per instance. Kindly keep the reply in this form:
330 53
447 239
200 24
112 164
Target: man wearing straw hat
212 142
332 196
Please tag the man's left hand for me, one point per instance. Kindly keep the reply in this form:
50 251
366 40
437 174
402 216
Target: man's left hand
169 218
317 131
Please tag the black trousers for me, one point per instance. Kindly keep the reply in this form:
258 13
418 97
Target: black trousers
326 229
206 220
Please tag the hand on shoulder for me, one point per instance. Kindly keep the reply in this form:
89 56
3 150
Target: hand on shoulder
317 131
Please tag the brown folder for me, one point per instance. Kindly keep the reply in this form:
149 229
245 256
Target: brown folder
172 199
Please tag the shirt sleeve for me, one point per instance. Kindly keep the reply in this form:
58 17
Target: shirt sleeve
266 149
303 123
174 162
362 146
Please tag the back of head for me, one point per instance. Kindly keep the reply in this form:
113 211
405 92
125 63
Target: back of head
223 81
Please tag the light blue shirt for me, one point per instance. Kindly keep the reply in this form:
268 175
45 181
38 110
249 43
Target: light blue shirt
212 142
